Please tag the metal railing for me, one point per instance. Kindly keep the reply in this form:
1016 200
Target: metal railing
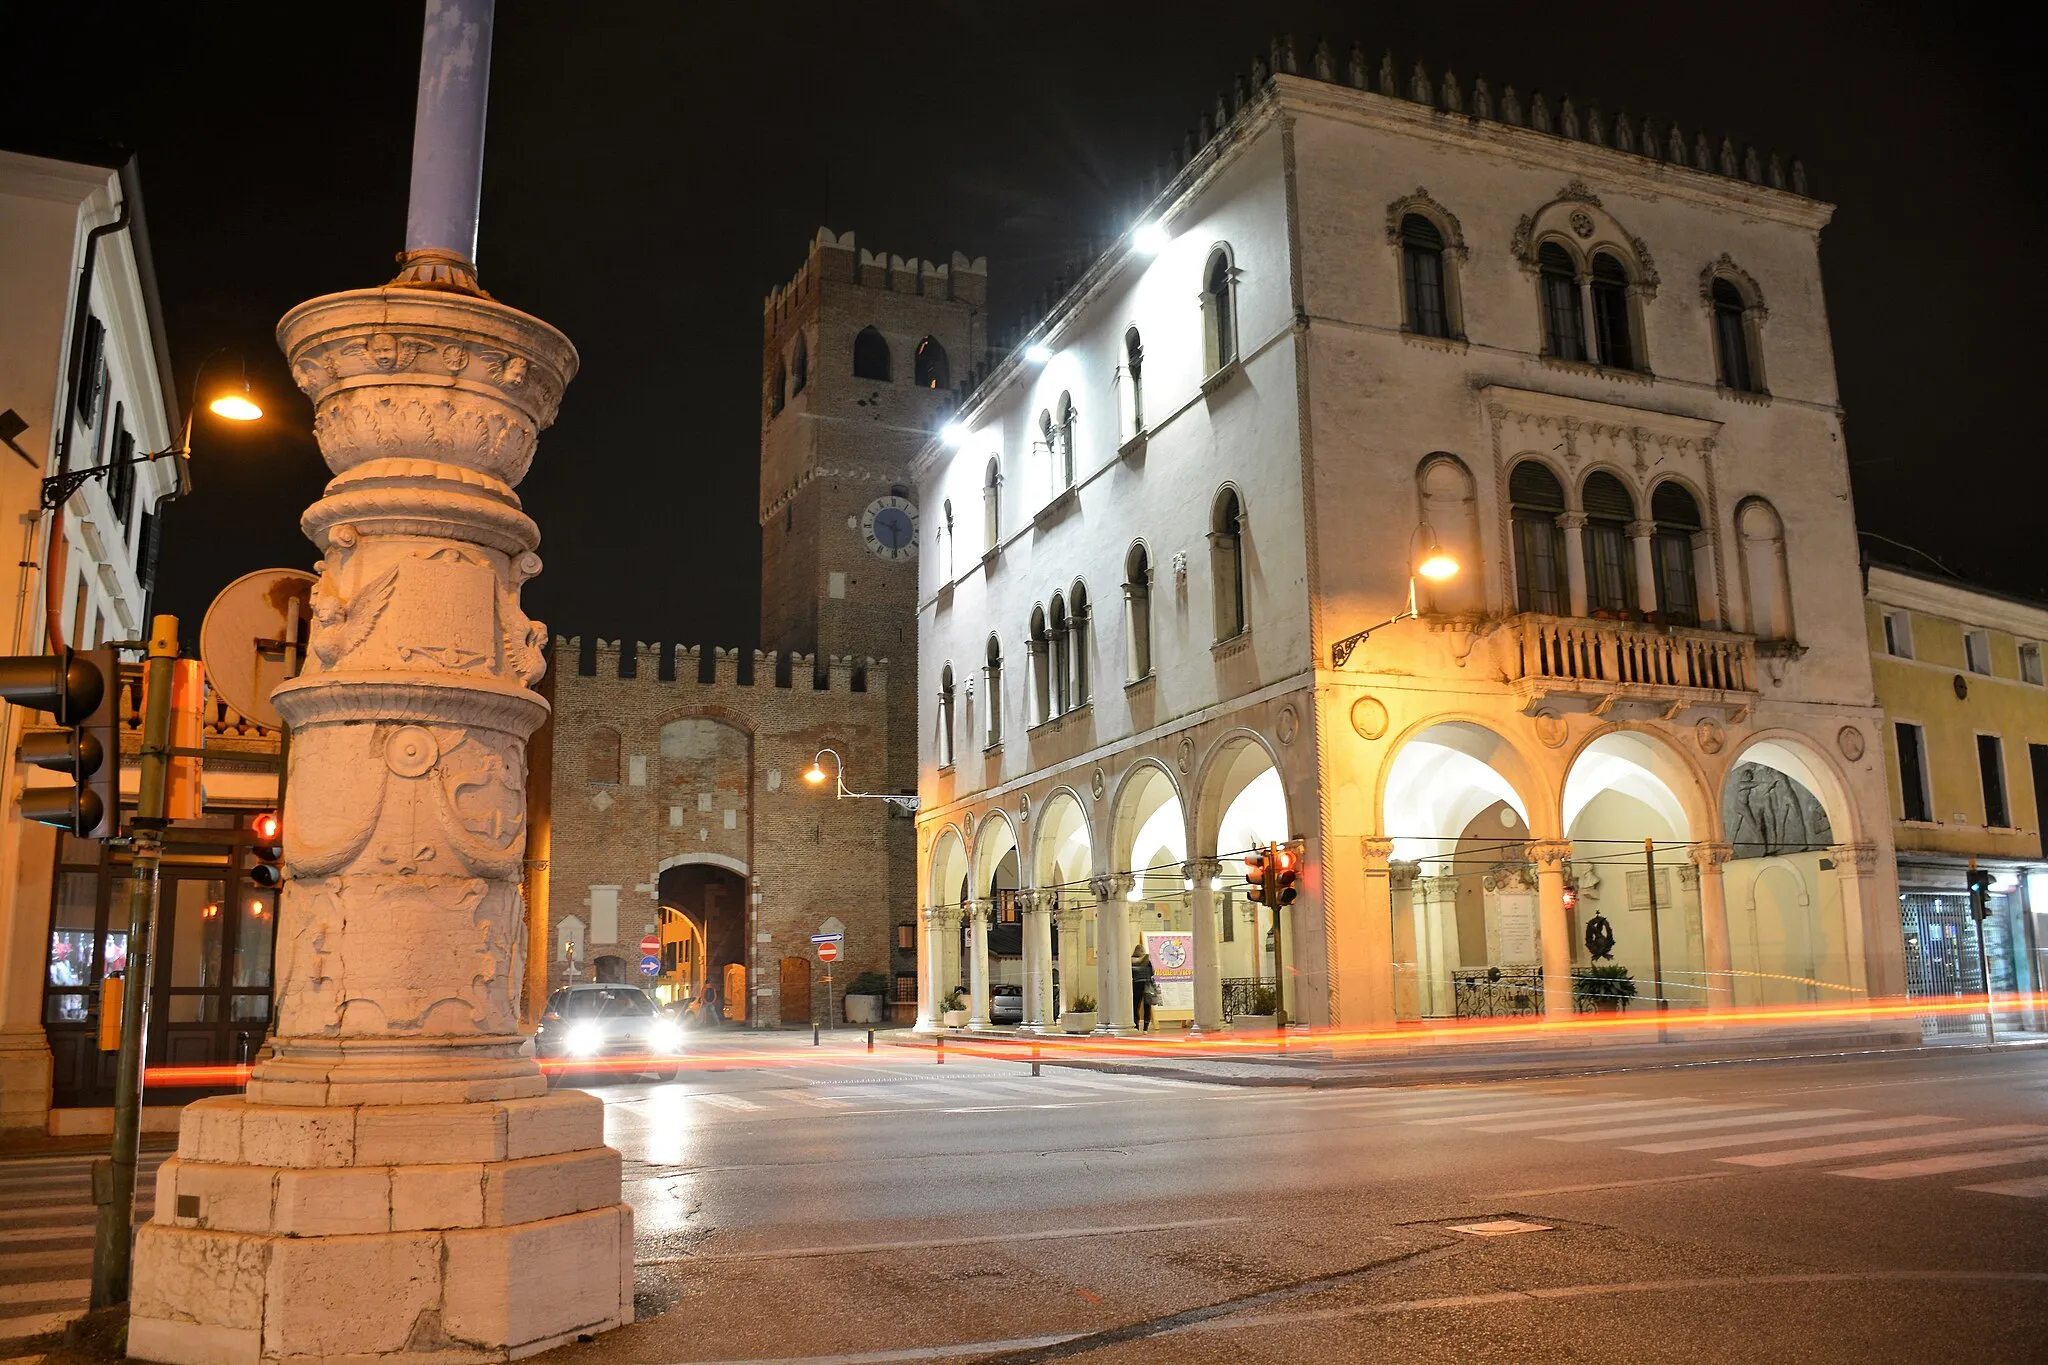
1623 654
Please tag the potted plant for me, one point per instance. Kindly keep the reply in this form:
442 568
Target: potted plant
1605 987
953 1009
1081 1018
1263 1013
865 996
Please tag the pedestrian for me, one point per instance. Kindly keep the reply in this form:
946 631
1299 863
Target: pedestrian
707 1006
1144 990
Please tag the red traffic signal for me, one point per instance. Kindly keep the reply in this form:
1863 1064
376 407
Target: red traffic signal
266 843
1255 869
1287 882
74 688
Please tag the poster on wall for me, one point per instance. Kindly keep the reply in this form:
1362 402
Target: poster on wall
1173 967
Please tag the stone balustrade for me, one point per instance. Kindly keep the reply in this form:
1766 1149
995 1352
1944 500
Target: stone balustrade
1545 656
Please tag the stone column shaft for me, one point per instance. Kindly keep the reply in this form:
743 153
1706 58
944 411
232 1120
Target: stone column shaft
1072 951
977 965
931 966
1038 948
1112 953
1641 534
1208 945
1714 941
1574 525
1550 857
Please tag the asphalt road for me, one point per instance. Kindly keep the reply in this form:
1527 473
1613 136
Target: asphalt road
821 1205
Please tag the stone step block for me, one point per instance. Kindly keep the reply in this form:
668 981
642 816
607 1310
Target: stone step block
317 1289
422 1134
211 1129
561 1121
276 1136
550 1186
331 1203
198 1295
222 1197
535 1284
234 1129
424 1197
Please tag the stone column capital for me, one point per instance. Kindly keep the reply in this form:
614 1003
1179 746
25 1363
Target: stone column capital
1103 885
1376 851
1404 873
1201 869
1027 901
1550 855
1709 856
1858 860
977 913
1641 530
1571 521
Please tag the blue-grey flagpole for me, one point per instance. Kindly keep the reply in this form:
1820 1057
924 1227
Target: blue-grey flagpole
448 144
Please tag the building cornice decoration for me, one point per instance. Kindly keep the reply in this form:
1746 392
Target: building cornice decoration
1705 855
1523 244
1420 202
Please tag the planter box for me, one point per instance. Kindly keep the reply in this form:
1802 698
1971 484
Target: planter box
1079 1021
954 1018
863 1009
1254 1023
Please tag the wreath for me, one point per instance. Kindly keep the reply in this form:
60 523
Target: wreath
1599 938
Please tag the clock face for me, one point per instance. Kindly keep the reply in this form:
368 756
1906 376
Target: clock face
889 528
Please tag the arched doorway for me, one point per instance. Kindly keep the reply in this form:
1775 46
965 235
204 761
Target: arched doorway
1151 844
945 894
997 931
1243 807
713 899
1466 920
1791 940
1061 868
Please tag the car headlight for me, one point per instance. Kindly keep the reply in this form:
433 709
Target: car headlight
585 1040
666 1036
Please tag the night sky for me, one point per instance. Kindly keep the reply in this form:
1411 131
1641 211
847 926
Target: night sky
651 172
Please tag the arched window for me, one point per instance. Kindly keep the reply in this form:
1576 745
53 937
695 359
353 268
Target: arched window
1678 523
1766 584
946 716
1137 614
1733 348
992 693
870 355
1614 330
1422 270
1077 628
930 370
800 366
777 384
1536 500
946 530
991 504
1040 647
1609 568
1219 311
602 761
1060 668
1564 325
1131 388
1062 434
1226 563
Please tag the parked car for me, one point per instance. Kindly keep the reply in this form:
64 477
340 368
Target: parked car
1005 1003
608 1027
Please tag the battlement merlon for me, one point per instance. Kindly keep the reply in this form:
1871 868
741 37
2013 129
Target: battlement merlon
846 674
835 256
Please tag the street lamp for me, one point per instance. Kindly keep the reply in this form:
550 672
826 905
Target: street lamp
815 775
233 405
1434 563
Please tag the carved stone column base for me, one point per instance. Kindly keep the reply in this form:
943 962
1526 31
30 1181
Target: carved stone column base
445 1233
395 1071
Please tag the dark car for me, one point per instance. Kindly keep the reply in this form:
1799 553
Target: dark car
1005 1003
609 1028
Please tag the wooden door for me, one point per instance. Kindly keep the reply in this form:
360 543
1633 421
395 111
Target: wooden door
795 991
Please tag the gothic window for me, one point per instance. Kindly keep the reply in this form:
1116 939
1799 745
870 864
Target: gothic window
1040 648
870 355
1536 501
992 694
1060 668
1062 435
1760 540
800 366
1609 569
1226 562
602 756
778 385
1677 517
946 716
946 530
1422 269
1131 392
1077 628
1219 311
1734 339
930 371
1137 614
1613 329
991 503
1564 325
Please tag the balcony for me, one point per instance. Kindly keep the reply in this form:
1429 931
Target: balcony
1604 666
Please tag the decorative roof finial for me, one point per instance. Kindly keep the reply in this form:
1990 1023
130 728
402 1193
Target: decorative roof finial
1237 95
1283 59
1567 119
1510 106
1752 169
1777 172
1702 153
1221 115
1454 99
1326 63
1418 87
1482 99
1205 128
1259 73
1356 74
1539 112
1676 145
1798 176
1596 127
1624 132
1728 166
1389 86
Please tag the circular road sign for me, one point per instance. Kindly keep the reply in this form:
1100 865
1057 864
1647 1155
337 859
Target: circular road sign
650 945
828 952
242 638
650 966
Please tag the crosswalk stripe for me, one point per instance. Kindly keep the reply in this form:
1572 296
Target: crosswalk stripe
924 1090
806 1097
61 1212
39 1323
1951 1138
1042 1089
2032 1187
1698 1144
1467 1114
1947 1162
45 1289
44 1260
733 1102
1674 1109
1726 1121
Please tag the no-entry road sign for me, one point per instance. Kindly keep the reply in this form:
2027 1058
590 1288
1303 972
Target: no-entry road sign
828 951
651 945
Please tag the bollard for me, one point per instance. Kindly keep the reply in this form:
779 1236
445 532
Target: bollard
871 1040
814 1033
1034 1059
942 1050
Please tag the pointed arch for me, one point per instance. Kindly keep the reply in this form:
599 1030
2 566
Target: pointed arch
870 355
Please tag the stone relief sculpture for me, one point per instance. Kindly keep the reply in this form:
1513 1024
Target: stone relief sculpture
1766 814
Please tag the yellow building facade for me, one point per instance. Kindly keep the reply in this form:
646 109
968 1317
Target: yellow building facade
1959 673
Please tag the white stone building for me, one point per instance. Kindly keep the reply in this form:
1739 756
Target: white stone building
1370 320
85 374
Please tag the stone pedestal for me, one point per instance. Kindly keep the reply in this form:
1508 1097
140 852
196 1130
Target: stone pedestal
397 1183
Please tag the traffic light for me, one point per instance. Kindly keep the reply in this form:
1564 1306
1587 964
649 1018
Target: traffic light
76 688
266 843
1256 866
1980 894
1287 874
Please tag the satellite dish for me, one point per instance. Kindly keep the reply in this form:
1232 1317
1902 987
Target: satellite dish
253 639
